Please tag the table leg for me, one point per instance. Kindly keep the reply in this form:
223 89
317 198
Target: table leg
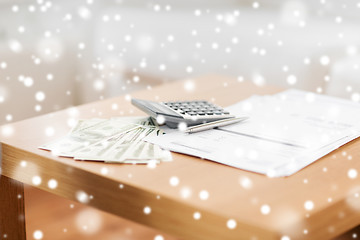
350 235
12 214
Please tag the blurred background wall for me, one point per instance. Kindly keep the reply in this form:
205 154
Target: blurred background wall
61 53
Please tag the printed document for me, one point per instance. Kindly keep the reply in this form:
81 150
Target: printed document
285 132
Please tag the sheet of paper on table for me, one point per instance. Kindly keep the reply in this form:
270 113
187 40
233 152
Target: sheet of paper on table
284 133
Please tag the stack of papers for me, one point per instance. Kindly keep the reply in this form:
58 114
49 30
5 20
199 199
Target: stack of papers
116 140
284 133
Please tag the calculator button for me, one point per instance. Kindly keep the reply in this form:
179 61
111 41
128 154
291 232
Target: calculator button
196 108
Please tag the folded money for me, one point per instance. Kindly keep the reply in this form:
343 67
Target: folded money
115 140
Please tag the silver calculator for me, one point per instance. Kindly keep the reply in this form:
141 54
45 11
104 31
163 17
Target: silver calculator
189 112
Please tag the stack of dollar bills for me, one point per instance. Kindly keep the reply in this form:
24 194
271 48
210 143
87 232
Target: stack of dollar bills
115 140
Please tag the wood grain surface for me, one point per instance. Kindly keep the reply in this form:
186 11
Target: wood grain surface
12 213
325 183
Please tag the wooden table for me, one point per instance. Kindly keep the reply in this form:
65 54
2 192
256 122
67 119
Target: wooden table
125 190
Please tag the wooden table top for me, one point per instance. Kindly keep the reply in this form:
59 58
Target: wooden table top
232 210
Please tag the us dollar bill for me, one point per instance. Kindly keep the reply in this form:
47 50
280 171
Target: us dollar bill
118 140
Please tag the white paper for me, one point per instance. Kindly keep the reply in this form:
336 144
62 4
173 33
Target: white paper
284 133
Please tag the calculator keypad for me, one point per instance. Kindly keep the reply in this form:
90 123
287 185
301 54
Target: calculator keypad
196 108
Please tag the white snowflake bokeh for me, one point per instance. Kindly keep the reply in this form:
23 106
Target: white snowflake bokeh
60 54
